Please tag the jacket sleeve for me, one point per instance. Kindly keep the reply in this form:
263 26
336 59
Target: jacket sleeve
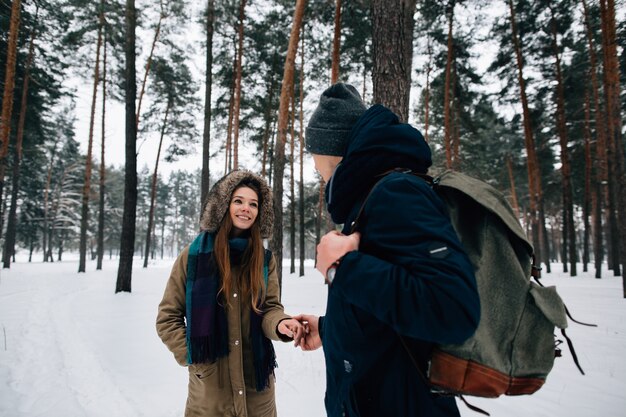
170 322
410 271
273 310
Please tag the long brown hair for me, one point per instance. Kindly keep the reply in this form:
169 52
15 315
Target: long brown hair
252 282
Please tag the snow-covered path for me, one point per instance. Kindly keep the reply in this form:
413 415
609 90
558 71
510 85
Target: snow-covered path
71 347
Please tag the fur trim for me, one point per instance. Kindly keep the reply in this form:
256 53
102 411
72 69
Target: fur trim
218 201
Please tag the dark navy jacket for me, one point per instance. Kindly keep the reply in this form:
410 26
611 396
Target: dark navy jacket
410 277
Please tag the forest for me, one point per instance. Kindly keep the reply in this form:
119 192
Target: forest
526 95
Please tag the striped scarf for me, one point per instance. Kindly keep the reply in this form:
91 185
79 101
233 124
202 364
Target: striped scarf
207 326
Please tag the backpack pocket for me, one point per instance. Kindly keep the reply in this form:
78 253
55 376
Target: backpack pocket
533 350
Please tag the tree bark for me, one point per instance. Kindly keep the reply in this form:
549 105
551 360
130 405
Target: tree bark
9 86
229 130
392 53
153 188
601 194
301 137
102 187
47 240
9 239
268 127
238 75
157 32
569 231
127 246
613 232
208 82
587 198
292 186
276 243
446 96
534 173
334 73
84 217
617 213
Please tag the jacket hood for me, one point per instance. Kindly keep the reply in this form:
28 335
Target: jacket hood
218 201
379 130
378 143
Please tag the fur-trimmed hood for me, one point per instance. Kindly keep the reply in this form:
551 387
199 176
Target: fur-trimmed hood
218 201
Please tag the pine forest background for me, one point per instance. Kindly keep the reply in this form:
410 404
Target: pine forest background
526 95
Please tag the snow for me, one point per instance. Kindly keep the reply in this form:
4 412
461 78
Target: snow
70 346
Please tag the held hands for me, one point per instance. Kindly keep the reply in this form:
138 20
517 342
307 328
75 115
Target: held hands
292 328
333 245
311 339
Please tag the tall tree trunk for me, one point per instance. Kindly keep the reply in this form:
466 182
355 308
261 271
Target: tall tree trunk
153 188
301 137
569 231
47 253
601 194
7 97
292 186
9 240
208 83
446 96
162 236
84 217
229 130
127 246
334 73
276 243
268 127
392 53
238 74
617 177
157 32
588 202
534 173
102 162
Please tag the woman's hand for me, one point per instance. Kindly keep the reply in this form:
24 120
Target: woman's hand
292 328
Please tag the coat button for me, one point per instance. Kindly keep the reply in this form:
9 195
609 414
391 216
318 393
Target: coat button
236 342
235 295
240 392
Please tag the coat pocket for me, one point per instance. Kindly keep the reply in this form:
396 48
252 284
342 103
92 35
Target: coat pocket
203 370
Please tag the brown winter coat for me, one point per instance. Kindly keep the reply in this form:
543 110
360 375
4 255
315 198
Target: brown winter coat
227 387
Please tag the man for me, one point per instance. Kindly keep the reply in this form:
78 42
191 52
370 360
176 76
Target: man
398 278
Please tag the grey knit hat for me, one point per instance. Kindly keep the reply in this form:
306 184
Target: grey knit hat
218 201
330 125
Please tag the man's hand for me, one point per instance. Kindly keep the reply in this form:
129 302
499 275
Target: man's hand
333 245
311 339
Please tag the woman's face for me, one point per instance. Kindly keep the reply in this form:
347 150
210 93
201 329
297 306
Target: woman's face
244 209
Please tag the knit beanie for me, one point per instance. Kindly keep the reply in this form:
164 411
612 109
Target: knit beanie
329 128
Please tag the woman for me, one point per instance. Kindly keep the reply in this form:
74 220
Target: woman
221 304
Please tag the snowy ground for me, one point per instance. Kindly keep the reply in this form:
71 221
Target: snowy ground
70 347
